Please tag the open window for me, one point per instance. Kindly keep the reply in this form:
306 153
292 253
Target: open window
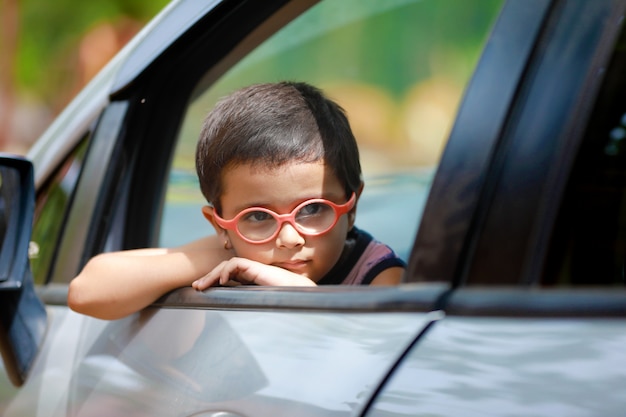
398 68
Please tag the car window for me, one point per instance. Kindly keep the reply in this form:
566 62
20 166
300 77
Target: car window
397 67
589 242
51 206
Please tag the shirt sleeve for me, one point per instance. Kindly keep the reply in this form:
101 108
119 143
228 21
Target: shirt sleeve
376 258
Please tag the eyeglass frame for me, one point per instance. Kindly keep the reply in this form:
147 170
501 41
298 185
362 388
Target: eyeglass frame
281 219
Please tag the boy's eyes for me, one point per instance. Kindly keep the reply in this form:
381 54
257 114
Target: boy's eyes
257 216
312 209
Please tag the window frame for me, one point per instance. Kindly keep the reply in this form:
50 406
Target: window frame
537 170
486 283
485 248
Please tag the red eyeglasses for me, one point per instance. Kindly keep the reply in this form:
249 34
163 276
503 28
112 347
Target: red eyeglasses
311 218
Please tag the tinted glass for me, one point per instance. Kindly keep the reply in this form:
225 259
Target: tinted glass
589 245
397 67
51 206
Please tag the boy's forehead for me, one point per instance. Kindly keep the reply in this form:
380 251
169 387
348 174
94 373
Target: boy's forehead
286 180
261 168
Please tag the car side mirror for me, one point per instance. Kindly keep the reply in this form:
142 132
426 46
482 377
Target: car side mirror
22 315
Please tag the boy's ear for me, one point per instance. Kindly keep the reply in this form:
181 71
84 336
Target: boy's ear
352 213
360 190
208 213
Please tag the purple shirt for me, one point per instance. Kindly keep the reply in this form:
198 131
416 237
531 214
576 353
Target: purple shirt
361 261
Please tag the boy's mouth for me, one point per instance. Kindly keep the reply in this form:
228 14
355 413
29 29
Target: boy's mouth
296 265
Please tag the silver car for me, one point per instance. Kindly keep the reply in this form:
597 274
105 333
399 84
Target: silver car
492 137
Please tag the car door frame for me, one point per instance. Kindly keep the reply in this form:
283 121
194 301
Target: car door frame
505 281
465 236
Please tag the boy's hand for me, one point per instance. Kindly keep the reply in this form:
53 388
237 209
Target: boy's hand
245 271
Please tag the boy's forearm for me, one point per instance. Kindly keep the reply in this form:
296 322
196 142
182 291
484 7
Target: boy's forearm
114 285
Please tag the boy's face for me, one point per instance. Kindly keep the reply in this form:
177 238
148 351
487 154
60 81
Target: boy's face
281 189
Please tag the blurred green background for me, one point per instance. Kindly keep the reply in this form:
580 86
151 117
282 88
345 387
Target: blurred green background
398 68
48 52
408 94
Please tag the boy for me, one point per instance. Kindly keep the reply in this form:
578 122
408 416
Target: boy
279 166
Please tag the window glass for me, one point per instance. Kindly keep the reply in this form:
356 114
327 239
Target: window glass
51 206
397 67
589 243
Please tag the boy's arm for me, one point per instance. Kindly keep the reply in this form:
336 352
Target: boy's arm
114 285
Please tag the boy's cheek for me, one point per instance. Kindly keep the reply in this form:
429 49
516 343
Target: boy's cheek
260 253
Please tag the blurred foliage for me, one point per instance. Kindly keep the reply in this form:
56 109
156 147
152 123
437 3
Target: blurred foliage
397 67
50 34
442 37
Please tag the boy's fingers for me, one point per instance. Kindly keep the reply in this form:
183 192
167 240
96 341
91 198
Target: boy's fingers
234 270
205 281
200 284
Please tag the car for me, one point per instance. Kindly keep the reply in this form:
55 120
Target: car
492 136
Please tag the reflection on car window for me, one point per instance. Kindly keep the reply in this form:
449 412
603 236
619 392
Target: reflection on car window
51 207
589 244
397 67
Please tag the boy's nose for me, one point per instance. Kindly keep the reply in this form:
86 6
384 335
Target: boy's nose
289 237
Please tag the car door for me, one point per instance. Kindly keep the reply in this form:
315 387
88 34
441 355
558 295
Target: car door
249 351
536 323
301 353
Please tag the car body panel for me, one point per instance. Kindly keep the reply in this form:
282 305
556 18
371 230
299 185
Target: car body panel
511 366
209 360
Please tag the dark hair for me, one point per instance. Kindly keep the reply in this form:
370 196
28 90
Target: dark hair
270 125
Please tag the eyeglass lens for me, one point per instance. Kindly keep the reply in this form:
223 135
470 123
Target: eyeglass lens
314 218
